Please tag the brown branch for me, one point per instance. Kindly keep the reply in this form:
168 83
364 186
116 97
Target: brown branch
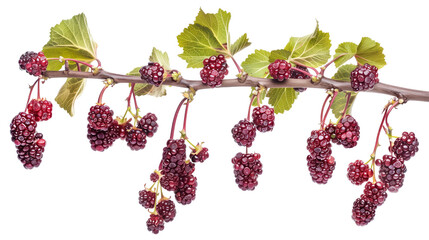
326 83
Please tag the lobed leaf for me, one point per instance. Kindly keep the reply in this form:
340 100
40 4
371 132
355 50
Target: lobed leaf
69 92
370 51
70 39
240 44
256 64
207 36
279 54
349 50
311 50
343 73
161 58
282 98
217 23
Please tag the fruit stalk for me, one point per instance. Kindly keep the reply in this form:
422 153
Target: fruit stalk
173 125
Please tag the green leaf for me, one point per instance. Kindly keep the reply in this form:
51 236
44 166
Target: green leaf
261 96
69 92
240 44
282 98
370 51
141 89
311 50
217 23
343 73
207 36
340 102
70 39
256 64
279 54
198 43
349 50
161 58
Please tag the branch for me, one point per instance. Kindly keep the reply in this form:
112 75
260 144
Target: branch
326 83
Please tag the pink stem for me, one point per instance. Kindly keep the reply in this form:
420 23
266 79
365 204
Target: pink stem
173 125
327 110
250 107
301 71
347 105
186 115
302 65
236 64
29 95
100 97
323 108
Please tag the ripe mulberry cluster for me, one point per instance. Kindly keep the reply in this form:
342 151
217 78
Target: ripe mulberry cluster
263 118
364 77
347 132
29 144
41 109
247 168
34 63
320 163
406 146
392 172
358 172
280 70
214 71
153 73
244 133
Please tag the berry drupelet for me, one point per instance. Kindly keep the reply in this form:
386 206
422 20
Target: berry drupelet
41 109
406 146
244 133
214 71
153 73
166 209
363 211
347 132
263 118
155 223
100 117
34 63
247 168
375 193
280 70
147 198
23 129
364 77
136 139
392 172
148 124
358 172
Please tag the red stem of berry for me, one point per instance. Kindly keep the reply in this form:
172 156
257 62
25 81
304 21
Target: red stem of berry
250 107
186 116
173 125
129 95
302 65
329 107
388 113
323 109
135 102
347 104
100 97
379 131
301 71
38 89
29 95
236 64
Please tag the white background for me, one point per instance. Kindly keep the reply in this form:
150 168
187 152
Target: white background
80 194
